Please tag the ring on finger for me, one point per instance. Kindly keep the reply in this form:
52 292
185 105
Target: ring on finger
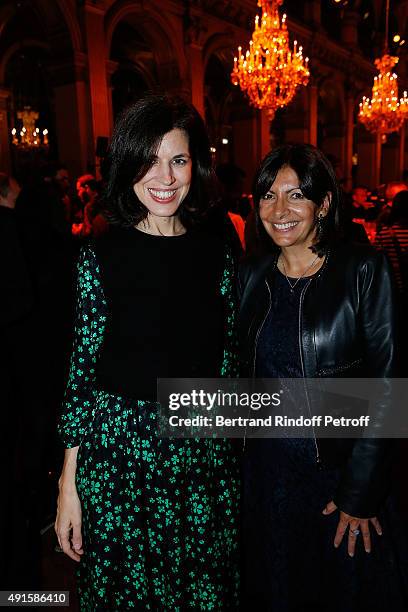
355 532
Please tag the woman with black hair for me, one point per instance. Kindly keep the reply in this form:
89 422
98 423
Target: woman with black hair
152 521
314 306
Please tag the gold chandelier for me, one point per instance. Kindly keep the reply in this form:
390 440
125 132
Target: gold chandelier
269 73
384 112
29 135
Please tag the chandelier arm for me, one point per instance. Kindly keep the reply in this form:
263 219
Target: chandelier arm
387 23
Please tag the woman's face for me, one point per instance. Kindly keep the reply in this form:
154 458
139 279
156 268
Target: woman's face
287 215
166 183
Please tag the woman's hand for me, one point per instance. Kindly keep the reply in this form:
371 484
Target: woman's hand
69 520
356 526
69 515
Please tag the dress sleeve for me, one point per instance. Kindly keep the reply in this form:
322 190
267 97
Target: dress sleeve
230 362
91 315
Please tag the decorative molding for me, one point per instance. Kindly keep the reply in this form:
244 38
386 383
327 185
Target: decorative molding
70 70
194 29
229 11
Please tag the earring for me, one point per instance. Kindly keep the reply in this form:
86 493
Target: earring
320 225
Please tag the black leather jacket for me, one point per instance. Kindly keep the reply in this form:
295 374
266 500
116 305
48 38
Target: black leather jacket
346 328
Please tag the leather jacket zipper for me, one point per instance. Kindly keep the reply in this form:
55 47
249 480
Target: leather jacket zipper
255 346
260 328
302 294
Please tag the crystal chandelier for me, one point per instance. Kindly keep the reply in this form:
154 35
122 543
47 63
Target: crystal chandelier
29 135
269 72
384 112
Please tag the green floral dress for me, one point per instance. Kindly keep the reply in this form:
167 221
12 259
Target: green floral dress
159 516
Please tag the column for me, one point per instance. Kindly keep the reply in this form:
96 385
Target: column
391 158
195 56
377 159
264 137
313 13
5 154
401 156
246 146
349 28
95 37
313 99
111 68
348 153
72 116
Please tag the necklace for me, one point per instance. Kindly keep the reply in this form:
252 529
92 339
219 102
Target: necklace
147 231
292 287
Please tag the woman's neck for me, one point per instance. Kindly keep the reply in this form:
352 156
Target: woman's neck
161 226
294 261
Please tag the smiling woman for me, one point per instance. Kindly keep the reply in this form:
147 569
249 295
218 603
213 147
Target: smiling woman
151 521
317 525
167 182
159 162
288 215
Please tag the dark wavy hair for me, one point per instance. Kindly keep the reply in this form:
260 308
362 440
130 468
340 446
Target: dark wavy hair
316 180
135 142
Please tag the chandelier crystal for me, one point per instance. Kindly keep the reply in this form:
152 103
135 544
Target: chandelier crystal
269 73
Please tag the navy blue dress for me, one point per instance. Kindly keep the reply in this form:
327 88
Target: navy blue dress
289 561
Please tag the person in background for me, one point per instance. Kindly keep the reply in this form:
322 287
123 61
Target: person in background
15 283
393 240
390 191
86 187
57 186
93 223
354 230
362 208
49 252
232 178
22 413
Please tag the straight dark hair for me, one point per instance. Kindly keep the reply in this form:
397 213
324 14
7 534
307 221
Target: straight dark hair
135 142
316 181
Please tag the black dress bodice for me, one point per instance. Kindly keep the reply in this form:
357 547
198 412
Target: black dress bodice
165 309
278 351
